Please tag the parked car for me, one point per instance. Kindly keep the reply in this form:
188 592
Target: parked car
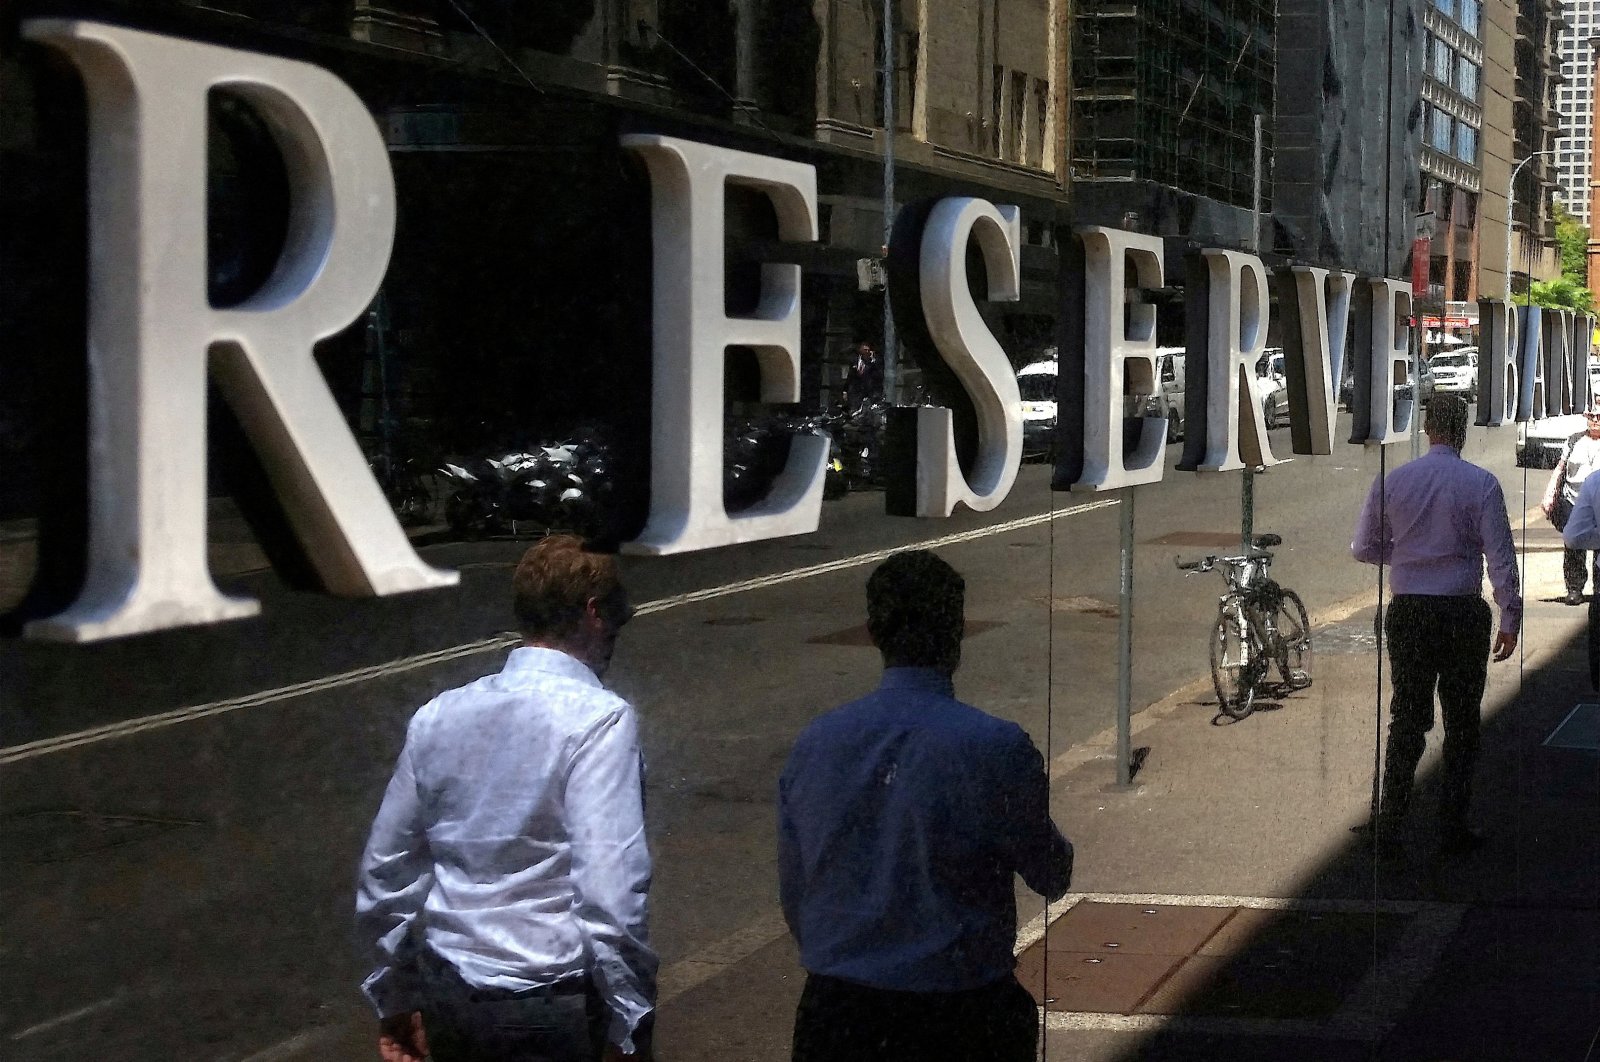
1454 373
1171 363
1540 442
1037 384
1272 385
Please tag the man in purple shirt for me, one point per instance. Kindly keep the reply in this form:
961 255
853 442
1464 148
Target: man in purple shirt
1435 521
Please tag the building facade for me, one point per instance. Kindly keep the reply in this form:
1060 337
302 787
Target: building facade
1537 128
1575 100
1166 97
1345 167
1452 129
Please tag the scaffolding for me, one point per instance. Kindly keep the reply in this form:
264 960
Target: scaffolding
1168 90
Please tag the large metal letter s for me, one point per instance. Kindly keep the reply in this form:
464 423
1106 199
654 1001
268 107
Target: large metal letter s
152 330
968 347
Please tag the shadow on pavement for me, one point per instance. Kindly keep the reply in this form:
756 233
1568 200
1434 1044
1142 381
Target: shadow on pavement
1487 955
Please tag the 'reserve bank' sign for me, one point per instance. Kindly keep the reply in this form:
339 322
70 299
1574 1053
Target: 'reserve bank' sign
153 338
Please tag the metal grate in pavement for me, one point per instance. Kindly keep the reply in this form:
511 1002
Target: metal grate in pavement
1208 965
1579 730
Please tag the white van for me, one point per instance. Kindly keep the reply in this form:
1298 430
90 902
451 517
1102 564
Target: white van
1037 383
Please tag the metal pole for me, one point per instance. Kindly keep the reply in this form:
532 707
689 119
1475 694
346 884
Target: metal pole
1125 647
891 359
1415 345
1247 491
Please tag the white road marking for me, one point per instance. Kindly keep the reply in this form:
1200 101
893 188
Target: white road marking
70 1016
126 728
717 957
294 1045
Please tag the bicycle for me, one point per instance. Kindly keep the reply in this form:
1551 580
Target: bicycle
1259 624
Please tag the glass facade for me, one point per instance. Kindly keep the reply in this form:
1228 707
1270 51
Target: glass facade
1189 676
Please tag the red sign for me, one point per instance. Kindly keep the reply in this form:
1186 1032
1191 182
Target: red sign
1421 253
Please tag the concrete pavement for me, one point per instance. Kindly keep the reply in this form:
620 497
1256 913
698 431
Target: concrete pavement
1222 909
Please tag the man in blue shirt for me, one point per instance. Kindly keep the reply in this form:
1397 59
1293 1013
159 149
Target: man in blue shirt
902 820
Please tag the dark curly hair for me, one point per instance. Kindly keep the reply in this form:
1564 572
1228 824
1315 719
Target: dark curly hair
915 604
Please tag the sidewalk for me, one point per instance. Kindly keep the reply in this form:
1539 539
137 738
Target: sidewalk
1222 909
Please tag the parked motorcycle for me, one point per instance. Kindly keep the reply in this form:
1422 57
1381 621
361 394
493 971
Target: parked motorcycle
551 486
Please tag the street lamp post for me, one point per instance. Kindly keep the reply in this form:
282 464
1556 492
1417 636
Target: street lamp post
1511 201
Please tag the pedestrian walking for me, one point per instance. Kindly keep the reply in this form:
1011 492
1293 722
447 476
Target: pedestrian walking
903 818
1436 521
1583 533
1579 458
504 884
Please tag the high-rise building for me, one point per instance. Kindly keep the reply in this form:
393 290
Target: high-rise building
1165 100
1575 101
1452 131
1346 169
1536 129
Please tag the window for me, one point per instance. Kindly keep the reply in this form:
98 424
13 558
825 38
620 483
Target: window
1444 132
995 116
1469 15
1467 78
1019 107
1441 61
1448 7
1466 143
1041 113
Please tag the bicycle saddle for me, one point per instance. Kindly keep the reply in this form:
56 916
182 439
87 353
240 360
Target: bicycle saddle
1268 541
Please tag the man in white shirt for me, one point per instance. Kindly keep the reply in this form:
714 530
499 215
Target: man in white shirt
504 885
1580 458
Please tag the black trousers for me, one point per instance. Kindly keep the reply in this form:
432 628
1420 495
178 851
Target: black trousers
1435 643
564 1023
1594 635
838 1021
1575 568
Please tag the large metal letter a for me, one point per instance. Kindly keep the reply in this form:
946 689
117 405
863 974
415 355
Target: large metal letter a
152 331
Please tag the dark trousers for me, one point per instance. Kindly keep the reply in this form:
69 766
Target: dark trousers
1574 568
1594 635
842 1022
564 1023
1435 643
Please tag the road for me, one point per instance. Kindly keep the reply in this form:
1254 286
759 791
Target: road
183 891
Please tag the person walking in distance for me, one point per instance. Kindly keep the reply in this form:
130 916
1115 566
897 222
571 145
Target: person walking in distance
504 884
1436 521
903 818
1579 458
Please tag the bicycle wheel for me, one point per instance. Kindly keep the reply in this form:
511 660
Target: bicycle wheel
1293 641
1234 662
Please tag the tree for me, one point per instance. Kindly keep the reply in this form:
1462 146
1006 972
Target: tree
1573 240
1559 294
